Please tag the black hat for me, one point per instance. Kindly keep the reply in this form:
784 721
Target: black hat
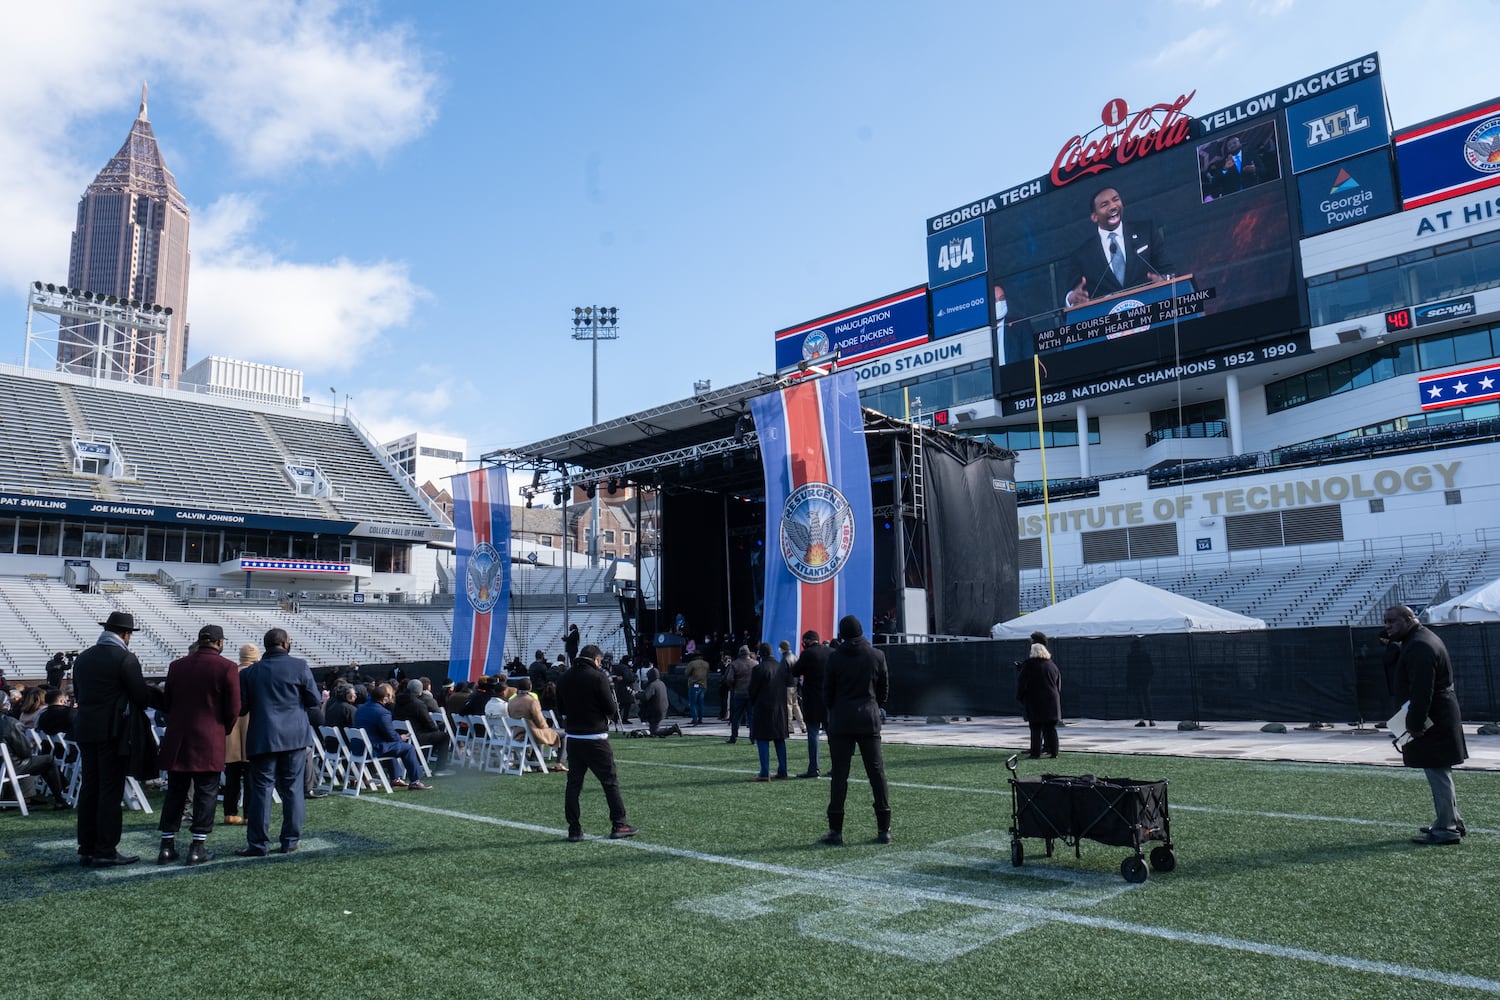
850 627
210 633
119 621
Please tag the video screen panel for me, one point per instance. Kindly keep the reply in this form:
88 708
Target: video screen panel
1200 261
1159 235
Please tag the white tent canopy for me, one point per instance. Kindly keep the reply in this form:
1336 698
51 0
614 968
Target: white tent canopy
1125 607
1482 604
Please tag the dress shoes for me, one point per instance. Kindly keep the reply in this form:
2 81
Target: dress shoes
810 774
1141 724
251 852
621 831
398 783
575 836
1429 840
316 793
288 848
198 853
419 786
884 837
168 852
731 740
780 777
110 861
832 839
234 820
1463 831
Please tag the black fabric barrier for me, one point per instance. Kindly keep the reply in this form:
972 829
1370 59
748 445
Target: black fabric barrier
972 524
1333 674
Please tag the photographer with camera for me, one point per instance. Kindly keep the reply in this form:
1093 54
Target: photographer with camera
58 667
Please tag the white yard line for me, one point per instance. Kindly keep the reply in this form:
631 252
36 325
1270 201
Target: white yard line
842 882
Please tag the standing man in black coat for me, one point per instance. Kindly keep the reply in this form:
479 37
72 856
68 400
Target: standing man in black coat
812 667
588 703
1039 689
106 678
1433 719
854 688
279 695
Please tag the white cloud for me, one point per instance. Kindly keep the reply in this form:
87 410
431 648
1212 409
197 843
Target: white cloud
280 83
245 302
1191 48
421 404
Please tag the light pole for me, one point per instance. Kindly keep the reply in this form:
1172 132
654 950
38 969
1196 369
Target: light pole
334 406
595 323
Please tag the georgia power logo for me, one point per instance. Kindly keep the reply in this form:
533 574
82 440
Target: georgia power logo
1482 147
817 532
482 580
814 345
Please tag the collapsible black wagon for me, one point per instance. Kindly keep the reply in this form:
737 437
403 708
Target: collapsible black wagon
1115 811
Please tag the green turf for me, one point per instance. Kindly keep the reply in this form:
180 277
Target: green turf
1291 880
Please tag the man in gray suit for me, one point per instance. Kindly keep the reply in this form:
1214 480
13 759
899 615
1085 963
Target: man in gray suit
279 695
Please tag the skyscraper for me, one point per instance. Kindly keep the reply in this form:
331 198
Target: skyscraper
131 241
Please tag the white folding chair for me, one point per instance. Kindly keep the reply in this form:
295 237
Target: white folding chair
441 718
365 765
71 762
10 779
403 726
491 739
334 774
522 752
463 740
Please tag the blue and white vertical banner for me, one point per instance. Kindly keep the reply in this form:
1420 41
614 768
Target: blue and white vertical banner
481 521
820 563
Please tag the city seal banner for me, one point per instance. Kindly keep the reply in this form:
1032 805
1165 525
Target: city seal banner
481 521
819 551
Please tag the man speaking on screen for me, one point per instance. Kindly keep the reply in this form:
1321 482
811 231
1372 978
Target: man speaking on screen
1117 255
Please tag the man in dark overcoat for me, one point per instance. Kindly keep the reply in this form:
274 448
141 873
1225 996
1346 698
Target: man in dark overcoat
1433 719
106 681
812 666
854 687
279 695
202 702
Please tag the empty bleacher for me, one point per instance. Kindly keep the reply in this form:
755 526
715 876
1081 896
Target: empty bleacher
187 450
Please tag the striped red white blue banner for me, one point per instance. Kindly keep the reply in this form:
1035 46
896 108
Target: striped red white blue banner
481 522
819 561
1441 390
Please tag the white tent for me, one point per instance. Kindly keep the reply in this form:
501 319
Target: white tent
1482 604
1125 607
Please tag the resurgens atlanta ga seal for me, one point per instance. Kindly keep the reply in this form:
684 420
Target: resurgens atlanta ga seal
817 532
482 579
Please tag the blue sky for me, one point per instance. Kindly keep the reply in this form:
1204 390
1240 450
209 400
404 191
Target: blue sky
405 200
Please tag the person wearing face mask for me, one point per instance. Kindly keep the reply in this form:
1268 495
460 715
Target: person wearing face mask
1433 720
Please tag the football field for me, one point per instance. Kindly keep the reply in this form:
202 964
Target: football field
1291 880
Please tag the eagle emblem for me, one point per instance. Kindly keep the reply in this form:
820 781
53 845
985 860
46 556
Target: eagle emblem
817 532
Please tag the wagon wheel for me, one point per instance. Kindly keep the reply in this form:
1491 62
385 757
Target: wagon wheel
1134 870
1163 859
1017 853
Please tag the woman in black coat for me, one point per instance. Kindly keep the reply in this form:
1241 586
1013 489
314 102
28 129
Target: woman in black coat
768 717
1039 688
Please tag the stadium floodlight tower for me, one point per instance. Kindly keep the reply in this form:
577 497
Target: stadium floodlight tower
595 323
96 335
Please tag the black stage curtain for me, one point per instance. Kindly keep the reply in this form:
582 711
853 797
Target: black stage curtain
972 529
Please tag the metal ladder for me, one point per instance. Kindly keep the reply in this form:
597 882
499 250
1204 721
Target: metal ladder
918 491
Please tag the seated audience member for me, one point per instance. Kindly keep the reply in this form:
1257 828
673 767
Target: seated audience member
33 700
411 708
57 718
374 717
495 707
13 705
341 710
427 697
653 705
526 705
29 761
457 698
480 697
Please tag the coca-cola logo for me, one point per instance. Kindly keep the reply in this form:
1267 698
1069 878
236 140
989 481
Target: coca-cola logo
1127 136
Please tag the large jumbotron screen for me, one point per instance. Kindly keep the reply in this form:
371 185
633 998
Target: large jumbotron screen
1158 238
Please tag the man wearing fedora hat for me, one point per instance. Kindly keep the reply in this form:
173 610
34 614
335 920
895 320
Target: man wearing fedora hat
106 677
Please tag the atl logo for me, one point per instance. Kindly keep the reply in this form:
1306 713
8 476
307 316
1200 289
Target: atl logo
1336 125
